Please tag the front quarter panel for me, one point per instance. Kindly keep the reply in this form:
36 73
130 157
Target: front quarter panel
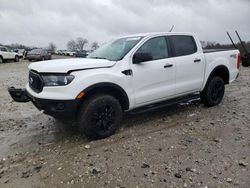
84 79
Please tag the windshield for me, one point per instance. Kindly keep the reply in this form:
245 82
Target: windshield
115 50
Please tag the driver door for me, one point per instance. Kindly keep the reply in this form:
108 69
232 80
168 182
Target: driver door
154 80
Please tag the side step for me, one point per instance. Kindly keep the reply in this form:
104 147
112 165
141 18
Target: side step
184 99
19 95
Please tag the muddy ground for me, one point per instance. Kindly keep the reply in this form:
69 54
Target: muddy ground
185 145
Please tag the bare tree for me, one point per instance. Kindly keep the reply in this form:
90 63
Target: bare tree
81 42
52 47
94 45
71 45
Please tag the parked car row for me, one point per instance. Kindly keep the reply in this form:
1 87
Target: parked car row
65 52
38 54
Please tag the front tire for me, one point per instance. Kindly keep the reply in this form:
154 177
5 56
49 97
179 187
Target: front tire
100 116
213 92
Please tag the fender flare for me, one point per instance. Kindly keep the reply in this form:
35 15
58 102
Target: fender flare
225 77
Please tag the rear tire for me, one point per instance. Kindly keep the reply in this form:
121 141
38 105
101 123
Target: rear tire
213 92
16 58
100 116
1 60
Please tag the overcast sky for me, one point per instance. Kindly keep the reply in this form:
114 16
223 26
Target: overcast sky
38 22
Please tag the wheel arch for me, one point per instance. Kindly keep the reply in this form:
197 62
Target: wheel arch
106 87
221 71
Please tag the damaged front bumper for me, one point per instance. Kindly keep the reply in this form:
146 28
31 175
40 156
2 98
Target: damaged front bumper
65 109
19 95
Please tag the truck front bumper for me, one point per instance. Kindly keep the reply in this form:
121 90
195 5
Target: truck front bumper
64 109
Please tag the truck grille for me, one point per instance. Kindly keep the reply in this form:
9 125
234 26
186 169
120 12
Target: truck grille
35 81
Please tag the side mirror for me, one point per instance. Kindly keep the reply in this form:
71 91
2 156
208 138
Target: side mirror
141 57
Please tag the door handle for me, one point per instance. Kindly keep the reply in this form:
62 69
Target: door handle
197 60
168 65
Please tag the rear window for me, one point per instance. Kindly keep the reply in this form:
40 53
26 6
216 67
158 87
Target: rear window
183 45
36 51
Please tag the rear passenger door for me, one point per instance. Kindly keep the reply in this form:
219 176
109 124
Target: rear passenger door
11 55
190 64
4 52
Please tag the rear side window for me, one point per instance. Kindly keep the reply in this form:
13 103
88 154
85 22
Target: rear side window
183 45
156 47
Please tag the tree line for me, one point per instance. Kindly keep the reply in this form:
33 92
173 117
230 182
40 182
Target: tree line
80 43
77 44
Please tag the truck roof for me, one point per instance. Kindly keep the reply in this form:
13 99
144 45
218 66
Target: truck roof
158 33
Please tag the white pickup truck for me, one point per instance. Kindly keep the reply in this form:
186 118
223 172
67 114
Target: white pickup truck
132 73
6 54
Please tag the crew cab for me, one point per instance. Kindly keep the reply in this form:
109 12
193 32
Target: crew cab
6 54
131 73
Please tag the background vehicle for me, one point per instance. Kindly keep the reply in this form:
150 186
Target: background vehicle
133 73
69 53
38 55
20 52
245 54
6 54
60 52
81 53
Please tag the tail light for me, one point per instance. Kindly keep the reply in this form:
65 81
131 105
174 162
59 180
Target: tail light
238 60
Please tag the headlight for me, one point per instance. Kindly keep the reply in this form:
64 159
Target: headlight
57 79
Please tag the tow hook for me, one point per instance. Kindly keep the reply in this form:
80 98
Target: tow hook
19 94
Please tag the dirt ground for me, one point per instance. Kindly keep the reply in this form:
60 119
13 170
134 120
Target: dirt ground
185 145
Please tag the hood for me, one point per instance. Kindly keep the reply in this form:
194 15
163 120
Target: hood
66 65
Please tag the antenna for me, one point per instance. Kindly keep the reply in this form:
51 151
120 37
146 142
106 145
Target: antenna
231 40
171 28
242 44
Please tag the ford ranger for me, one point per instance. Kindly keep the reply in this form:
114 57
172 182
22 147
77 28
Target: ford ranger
135 72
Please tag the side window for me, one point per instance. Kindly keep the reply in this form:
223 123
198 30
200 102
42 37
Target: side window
3 49
156 47
183 45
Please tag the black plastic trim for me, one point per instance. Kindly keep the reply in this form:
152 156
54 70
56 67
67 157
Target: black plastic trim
111 85
151 107
64 109
220 67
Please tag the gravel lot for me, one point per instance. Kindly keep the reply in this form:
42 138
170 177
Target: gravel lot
186 145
